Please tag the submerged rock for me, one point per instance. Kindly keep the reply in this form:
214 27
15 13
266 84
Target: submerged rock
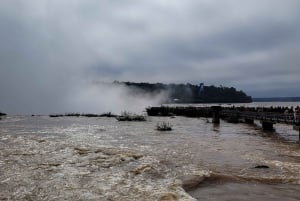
262 167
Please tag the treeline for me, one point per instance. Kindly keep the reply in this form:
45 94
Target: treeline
189 93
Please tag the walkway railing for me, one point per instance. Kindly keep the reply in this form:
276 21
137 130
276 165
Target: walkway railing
263 116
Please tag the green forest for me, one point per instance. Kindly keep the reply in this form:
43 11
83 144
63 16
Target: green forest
189 93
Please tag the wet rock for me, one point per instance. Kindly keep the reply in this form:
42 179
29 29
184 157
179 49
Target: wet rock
82 151
262 167
39 140
190 182
168 197
147 170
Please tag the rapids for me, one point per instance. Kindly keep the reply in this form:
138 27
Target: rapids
70 158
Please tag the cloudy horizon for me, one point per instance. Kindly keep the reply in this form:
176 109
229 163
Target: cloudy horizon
52 51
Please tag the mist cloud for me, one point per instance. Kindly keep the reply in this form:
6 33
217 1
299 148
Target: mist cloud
51 49
102 98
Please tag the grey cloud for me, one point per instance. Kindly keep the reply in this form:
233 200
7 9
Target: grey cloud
54 48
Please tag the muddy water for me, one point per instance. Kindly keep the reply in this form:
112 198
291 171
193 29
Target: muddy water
44 158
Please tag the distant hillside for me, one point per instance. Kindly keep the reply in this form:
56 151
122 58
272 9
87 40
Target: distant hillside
277 99
188 93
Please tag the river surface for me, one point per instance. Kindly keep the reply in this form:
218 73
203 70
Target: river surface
79 158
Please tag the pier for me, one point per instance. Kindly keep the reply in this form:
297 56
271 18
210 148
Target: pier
267 116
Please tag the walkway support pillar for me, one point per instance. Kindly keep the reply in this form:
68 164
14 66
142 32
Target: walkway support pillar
249 121
216 114
267 125
297 127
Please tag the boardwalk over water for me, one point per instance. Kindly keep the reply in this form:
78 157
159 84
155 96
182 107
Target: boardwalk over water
262 116
267 116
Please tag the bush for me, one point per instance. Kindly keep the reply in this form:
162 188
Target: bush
56 115
126 116
164 126
109 114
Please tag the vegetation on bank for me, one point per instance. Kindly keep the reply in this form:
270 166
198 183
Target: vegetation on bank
127 116
109 114
164 126
189 93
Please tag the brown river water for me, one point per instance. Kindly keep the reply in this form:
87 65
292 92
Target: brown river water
79 158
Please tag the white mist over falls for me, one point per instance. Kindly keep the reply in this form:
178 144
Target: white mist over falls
99 97
84 96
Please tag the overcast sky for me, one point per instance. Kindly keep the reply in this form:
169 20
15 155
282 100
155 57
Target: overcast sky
52 51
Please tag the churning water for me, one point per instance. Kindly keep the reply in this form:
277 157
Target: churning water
70 158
